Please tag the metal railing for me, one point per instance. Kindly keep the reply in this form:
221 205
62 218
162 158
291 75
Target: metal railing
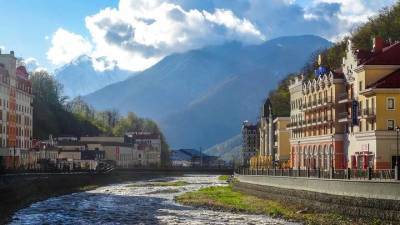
343 96
368 112
348 174
343 115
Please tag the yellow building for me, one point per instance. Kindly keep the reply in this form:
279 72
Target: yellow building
281 139
372 98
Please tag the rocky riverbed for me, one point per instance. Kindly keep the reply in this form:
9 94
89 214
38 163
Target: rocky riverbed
146 202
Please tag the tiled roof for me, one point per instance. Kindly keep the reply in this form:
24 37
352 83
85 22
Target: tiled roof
390 81
388 56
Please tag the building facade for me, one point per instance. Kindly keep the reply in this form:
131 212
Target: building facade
316 136
15 111
281 139
266 147
347 118
131 150
251 142
372 98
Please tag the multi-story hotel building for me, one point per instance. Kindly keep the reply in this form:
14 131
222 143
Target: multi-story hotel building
372 106
316 136
15 111
251 142
347 119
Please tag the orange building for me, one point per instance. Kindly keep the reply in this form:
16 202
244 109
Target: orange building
15 112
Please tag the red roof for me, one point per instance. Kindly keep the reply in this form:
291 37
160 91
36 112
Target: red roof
390 81
388 56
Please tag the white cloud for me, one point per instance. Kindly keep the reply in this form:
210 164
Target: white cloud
32 64
140 33
353 13
67 46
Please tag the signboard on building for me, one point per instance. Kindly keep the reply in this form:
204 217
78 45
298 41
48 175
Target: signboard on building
354 112
365 147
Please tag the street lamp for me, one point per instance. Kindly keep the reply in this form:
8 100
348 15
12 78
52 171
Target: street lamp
396 168
298 158
298 155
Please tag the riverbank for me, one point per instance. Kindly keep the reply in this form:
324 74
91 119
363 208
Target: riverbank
17 192
226 199
148 201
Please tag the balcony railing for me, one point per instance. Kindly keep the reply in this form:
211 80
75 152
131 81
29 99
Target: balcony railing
343 115
368 112
328 100
343 96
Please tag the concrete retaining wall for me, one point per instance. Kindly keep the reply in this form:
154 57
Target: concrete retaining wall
343 197
366 189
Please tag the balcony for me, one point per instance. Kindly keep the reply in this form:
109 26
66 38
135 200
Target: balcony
317 104
368 113
328 100
344 98
344 117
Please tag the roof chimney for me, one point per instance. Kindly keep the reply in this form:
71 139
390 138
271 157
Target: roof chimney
12 53
378 44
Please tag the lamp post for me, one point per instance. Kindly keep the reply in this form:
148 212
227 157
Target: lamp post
298 158
14 158
396 168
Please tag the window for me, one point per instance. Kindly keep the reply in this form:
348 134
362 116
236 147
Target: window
390 124
390 103
360 86
372 105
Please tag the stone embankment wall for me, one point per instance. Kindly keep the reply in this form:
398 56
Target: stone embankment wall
21 190
358 199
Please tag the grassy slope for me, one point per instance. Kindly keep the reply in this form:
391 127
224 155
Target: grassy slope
224 198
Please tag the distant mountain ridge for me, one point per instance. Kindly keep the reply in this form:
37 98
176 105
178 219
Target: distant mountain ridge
78 78
201 97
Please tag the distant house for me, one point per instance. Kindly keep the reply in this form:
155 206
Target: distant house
136 149
195 159
181 158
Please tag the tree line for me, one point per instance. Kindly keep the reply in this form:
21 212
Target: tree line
53 114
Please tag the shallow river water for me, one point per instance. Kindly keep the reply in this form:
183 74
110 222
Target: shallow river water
129 204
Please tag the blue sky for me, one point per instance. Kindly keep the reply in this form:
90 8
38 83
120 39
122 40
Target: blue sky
135 34
24 25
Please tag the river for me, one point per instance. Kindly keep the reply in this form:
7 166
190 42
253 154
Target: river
134 203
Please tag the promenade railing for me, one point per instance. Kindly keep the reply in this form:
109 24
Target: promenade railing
349 174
